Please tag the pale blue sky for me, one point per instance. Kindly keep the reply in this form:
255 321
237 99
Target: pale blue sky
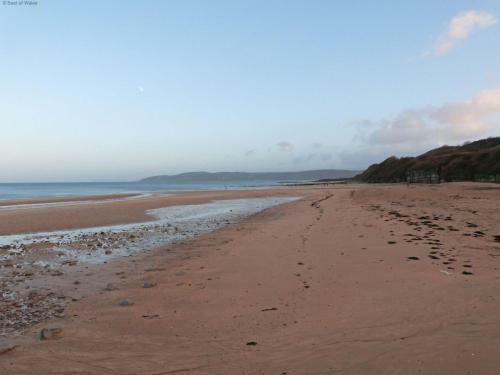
118 90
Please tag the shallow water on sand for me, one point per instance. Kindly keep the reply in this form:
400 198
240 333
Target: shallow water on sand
99 244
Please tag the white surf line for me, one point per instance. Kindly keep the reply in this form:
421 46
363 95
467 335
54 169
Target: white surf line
28 206
172 224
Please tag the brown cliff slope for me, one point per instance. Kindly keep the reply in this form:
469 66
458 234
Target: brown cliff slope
475 161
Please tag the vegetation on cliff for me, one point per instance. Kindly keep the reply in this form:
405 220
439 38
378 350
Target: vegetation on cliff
475 161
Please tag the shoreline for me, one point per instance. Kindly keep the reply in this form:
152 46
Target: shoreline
352 278
140 190
64 199
29 261
98 244
119 210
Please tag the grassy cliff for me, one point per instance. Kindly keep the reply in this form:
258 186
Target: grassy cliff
475 161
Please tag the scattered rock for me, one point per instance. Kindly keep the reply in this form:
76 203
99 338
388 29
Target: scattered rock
6 346
148 284
50 333
148 316
251 343
33 295
125 302
154 269
413 258
270 309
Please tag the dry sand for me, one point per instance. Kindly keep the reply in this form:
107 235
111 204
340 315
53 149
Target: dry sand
323 285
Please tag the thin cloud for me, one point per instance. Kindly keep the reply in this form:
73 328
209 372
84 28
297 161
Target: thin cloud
326 156
250 152
317 145
461 27
416 130
313 157
285 146
448 123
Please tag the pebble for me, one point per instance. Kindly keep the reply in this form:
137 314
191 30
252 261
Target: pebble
6 346
50 333
148 284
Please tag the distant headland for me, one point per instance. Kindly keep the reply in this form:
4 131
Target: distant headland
319 174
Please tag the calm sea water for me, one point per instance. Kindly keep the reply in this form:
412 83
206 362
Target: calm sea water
40 190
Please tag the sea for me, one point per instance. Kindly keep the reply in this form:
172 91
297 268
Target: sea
68 189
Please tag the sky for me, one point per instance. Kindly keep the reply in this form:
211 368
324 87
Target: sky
121 90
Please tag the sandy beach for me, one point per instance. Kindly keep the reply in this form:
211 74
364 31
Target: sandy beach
352 279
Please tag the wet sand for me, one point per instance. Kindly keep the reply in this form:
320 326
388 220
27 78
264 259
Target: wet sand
102 197
350 279
114 211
